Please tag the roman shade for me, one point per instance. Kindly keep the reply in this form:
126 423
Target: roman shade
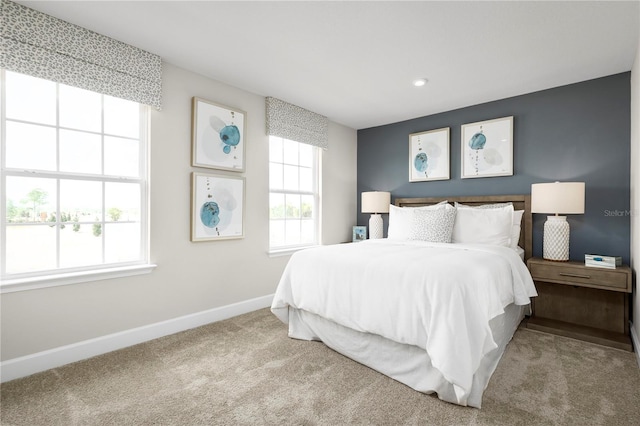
42 46
297 124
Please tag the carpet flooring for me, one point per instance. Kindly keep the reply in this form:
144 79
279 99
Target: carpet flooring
246 371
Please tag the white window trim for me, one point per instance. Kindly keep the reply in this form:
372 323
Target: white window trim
34 283
289 250
317 182
36 280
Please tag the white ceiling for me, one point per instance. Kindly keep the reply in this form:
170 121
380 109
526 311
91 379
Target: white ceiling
354 62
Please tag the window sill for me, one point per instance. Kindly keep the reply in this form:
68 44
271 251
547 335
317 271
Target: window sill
33 283
288 251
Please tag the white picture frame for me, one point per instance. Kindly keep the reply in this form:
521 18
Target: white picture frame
429 156
359 234
217 136
217 207
487 148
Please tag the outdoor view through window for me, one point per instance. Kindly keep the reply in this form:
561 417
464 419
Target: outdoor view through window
73 178
293 195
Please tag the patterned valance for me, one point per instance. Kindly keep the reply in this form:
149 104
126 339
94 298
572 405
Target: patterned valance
42 46
296 124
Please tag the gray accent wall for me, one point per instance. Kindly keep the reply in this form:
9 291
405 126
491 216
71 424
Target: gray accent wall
578 132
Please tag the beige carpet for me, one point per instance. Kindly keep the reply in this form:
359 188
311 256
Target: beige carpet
246 371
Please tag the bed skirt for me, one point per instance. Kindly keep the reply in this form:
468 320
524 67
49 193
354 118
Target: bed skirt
407 364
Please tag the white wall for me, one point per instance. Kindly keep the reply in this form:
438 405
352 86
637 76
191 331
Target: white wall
190 277
635 192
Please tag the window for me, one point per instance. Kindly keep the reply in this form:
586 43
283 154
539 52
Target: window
294 201
74 185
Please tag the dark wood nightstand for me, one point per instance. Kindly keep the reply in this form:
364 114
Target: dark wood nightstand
582 302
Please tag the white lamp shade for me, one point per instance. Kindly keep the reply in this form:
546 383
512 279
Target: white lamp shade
557 198
376 202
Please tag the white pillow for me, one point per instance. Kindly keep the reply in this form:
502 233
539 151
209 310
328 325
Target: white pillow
517 219
483 226
401 219
484 206
434 226
515 228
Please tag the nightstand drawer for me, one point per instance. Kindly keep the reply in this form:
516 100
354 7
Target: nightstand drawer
567 274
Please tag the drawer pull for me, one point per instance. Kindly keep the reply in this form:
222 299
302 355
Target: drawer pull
575 275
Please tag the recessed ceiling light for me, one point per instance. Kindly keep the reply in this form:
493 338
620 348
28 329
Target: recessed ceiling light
420 82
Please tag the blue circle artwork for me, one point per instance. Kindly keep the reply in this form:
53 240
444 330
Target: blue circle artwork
230 136
209 214
420 162
477 141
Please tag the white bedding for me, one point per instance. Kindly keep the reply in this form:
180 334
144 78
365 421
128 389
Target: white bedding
407 364
438 297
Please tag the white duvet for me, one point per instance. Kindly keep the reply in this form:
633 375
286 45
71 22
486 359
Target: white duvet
439 297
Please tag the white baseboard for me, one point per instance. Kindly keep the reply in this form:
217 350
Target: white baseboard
636 342
45 360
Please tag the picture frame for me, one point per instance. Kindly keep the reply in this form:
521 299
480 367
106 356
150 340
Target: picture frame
359 234
217 207
487 148
217 136
429 156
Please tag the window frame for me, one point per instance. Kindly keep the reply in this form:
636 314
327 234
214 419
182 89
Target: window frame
70 275
316 170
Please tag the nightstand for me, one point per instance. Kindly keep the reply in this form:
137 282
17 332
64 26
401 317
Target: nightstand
582 302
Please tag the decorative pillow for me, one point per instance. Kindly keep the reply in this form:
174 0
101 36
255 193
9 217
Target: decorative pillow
483 226
401 219
434 226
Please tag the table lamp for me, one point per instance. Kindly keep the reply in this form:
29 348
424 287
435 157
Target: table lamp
557 198
375 202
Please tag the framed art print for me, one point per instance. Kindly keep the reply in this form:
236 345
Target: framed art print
359 234
429 155
487 148
217 207
217 136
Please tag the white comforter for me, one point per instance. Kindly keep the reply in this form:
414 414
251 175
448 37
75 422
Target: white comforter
439 297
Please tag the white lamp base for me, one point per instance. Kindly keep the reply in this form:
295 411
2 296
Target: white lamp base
375 227
555 243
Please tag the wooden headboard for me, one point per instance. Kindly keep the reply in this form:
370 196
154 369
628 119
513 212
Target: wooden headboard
520 202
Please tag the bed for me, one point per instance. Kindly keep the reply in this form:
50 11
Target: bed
433 314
